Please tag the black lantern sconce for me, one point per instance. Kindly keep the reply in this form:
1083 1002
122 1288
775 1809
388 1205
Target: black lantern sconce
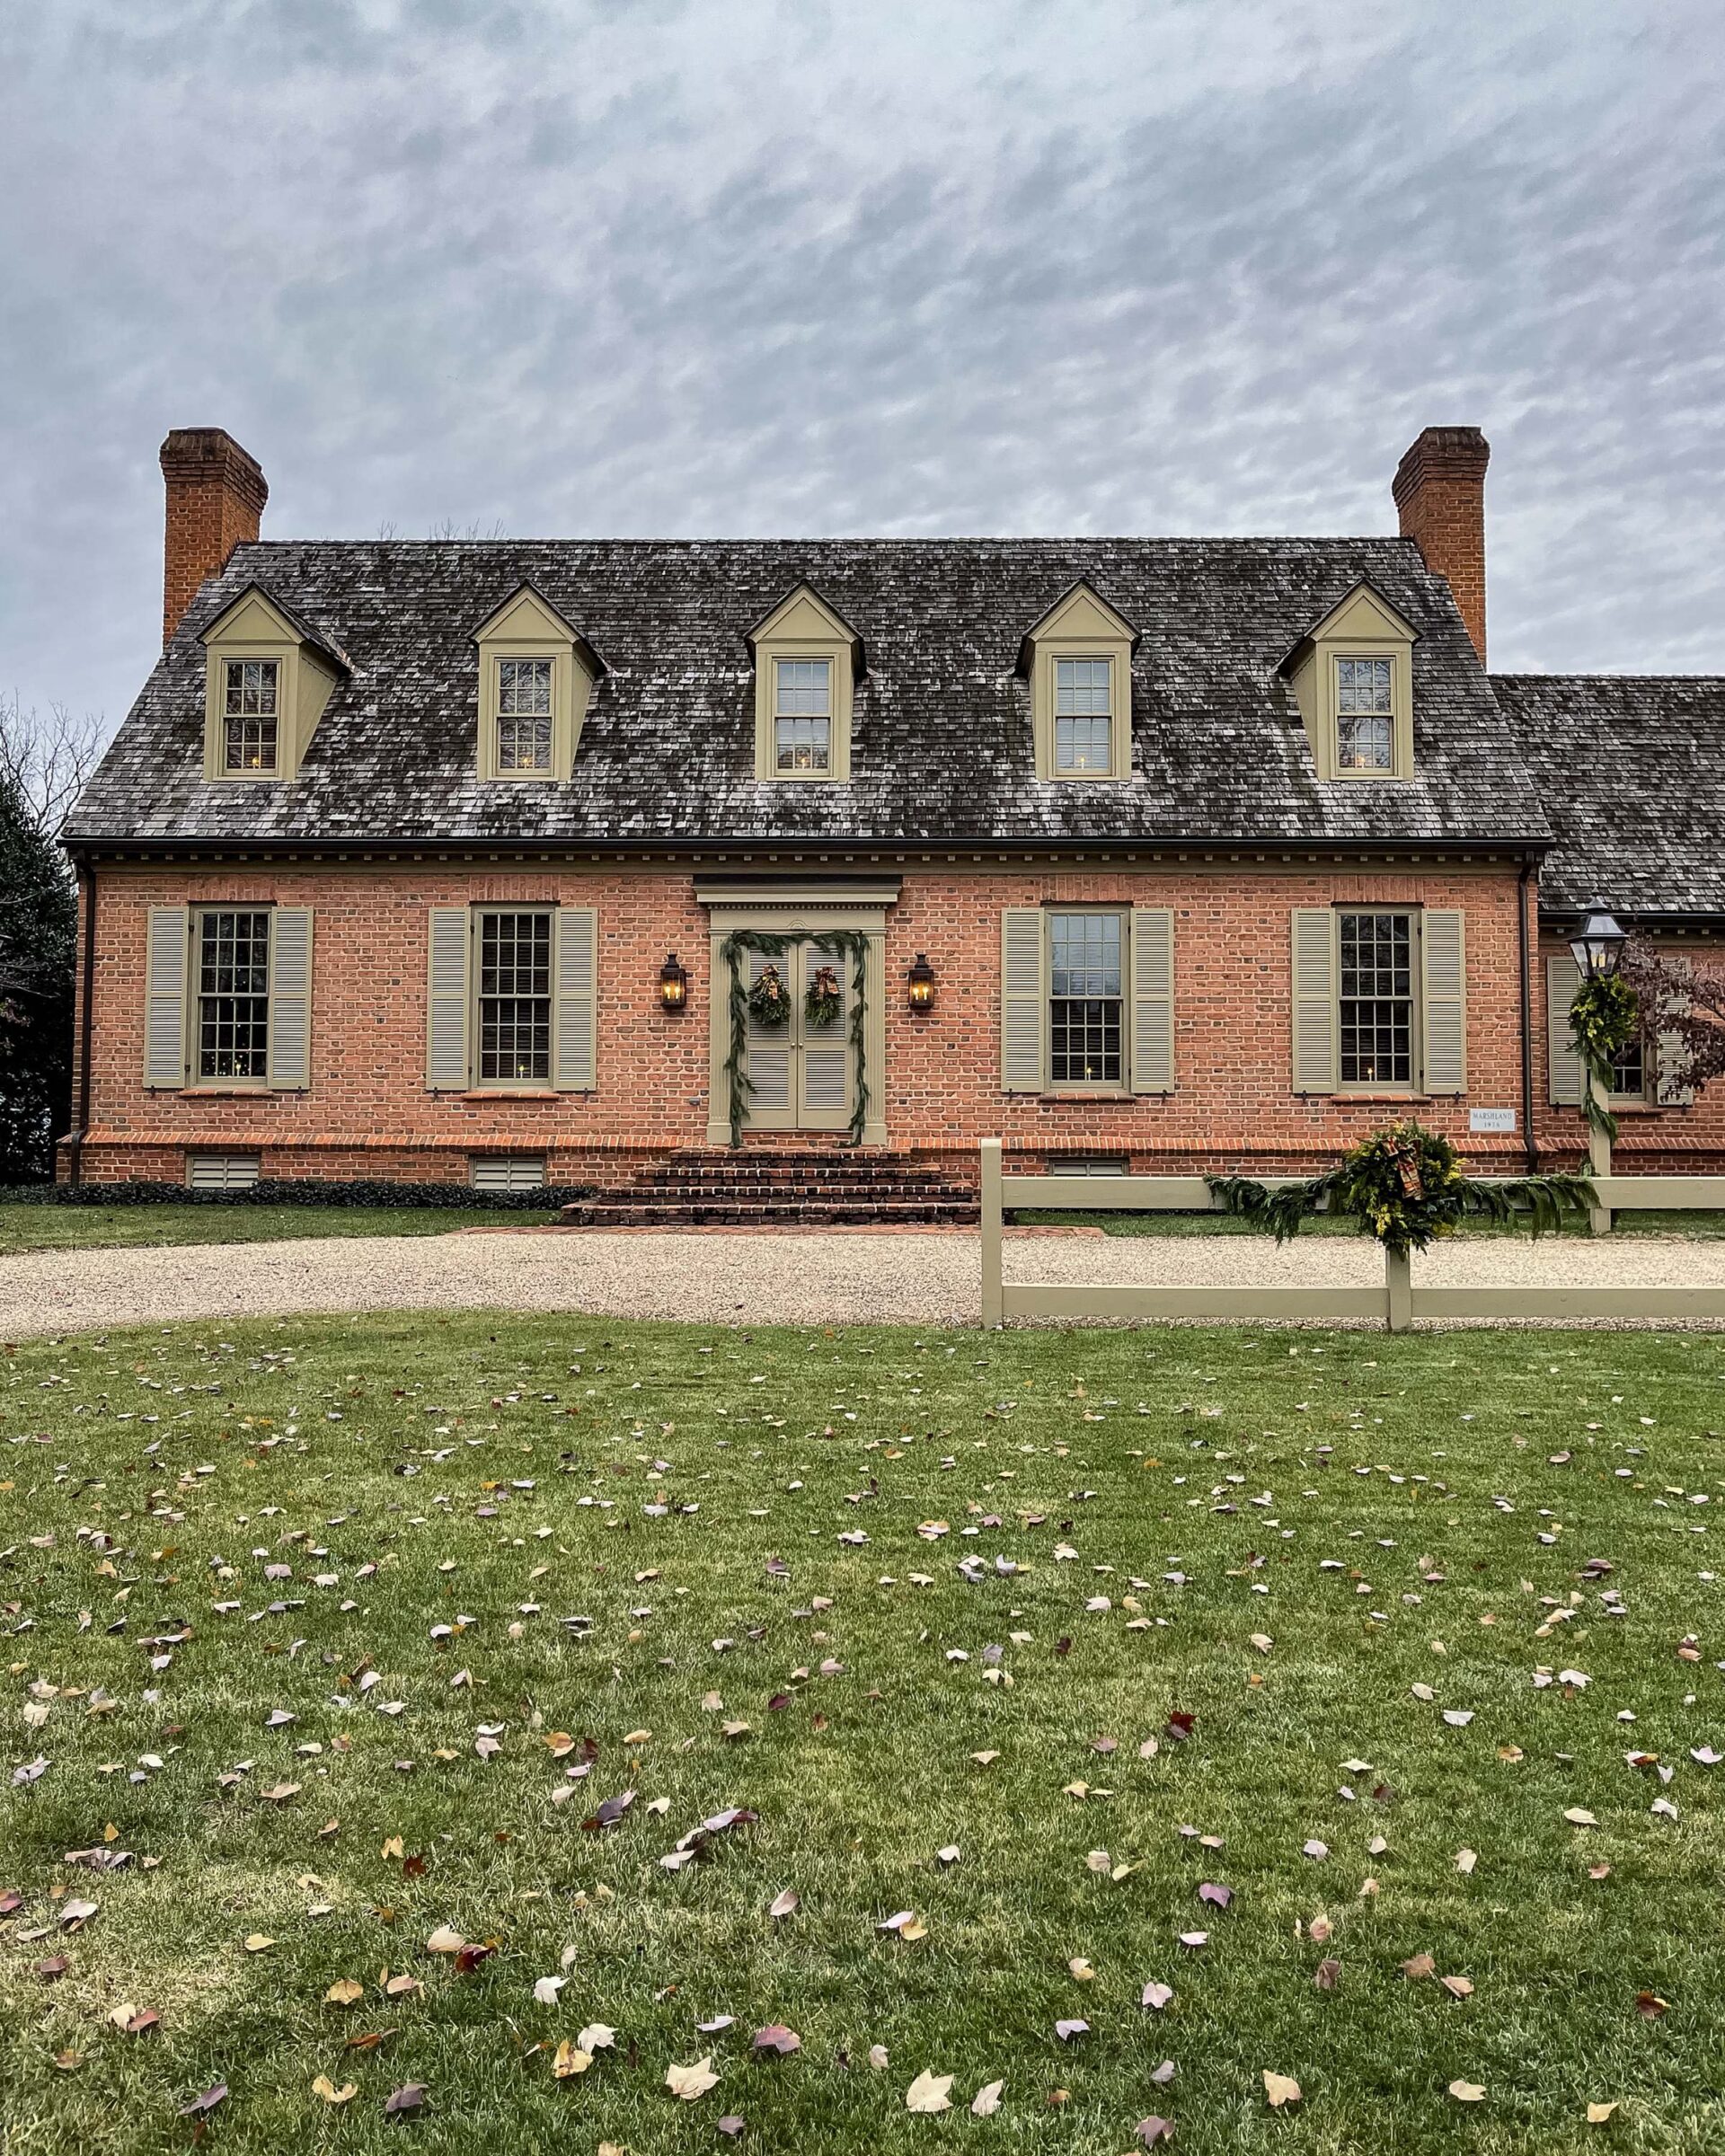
673 984
921 979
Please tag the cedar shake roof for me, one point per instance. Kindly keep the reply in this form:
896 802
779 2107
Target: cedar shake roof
1631 770
941 738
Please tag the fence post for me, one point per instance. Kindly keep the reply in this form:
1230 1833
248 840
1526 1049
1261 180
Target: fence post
1398 1280
993 1313
1598 1159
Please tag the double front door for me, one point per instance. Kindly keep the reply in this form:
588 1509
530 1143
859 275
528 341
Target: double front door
803 1072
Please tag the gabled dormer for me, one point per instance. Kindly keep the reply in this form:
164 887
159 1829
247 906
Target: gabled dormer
267 679
1352 677
808 661
537 673
1078 661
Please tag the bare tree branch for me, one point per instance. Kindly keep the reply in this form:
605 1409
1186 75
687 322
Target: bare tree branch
49 757
1684 1002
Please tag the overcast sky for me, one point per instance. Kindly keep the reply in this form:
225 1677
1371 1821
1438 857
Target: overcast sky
648 268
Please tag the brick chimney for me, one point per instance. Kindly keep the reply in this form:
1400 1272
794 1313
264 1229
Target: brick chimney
215 496
1439 490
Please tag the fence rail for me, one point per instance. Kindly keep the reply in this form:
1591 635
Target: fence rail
1397 1305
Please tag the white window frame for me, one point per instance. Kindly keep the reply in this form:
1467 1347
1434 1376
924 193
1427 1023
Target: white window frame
779 661
1413 1085
1098 1088
477 998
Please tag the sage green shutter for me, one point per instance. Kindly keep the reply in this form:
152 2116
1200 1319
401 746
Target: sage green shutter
290 998
1672 1056
1443 952
1020 999
1562 1064
1152 1001
575 932
767 1053
446 1022
164 996
1314 999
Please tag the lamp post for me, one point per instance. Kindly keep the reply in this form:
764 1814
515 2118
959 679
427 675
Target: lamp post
1598 949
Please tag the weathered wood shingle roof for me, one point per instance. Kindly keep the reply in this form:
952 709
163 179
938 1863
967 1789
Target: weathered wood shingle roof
942 746
1630 769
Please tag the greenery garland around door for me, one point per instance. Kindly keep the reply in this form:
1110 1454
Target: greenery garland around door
837 941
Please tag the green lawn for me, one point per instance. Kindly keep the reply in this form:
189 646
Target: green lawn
386 1529
111 1227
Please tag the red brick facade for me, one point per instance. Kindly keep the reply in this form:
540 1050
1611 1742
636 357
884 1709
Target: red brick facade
215 496
1439 490
367 1112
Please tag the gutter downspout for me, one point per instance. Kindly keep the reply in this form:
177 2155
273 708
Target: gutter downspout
87 987
1530 1147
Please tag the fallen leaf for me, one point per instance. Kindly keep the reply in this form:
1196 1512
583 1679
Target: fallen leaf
202 2105
985 2102
1467 2092
687 2083
928 2092
569 2059
786 1903
344 1991
1598 2114
776 2037
325 2088
405 2099
1280 2089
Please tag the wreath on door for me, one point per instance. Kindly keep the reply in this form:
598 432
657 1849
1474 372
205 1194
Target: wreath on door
840 942
824 999
769 1000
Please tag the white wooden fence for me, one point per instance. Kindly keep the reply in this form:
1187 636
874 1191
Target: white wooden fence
1397 1305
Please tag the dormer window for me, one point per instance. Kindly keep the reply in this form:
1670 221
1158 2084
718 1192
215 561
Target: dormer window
1365 715
808 662
250 714
803 714
1084 715
524 714
1078 659
1352 677
268 677
535 679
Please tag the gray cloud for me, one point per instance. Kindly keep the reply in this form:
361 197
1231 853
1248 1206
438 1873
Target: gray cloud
969 265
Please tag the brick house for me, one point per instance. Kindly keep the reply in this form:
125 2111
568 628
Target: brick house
440 861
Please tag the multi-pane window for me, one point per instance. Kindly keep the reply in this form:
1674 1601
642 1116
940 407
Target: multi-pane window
803 714
250 714
233 1010
524 714
515 999
1365 715
1085 999
1084 721
1377 999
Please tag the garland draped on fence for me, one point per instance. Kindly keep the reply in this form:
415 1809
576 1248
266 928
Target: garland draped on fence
771 946
1405 1186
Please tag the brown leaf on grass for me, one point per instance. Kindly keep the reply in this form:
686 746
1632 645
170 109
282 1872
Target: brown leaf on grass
344 1991
731 2126
280 1793
1650 2006
785 1903
369 2040
610 1813
51 1970
1598 2114
325 2088
1280 2088
1153 2130
1327 1974
776 2037
405 2100
470 1957
201 2105
1157 1995
75 1913
1420 1964
1467 2092
568 2060
1458 1987
445 1939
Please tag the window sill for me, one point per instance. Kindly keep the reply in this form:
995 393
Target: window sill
507 1093
1409 1099
1103 1094
221 1093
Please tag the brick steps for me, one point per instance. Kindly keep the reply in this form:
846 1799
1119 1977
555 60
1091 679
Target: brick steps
783 1189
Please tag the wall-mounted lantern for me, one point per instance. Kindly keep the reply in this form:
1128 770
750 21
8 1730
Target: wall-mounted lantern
921 980
673 984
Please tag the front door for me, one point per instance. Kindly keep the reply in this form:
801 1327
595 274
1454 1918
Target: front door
803 1071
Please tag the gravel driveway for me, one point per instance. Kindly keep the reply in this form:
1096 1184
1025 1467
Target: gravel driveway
796 1277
